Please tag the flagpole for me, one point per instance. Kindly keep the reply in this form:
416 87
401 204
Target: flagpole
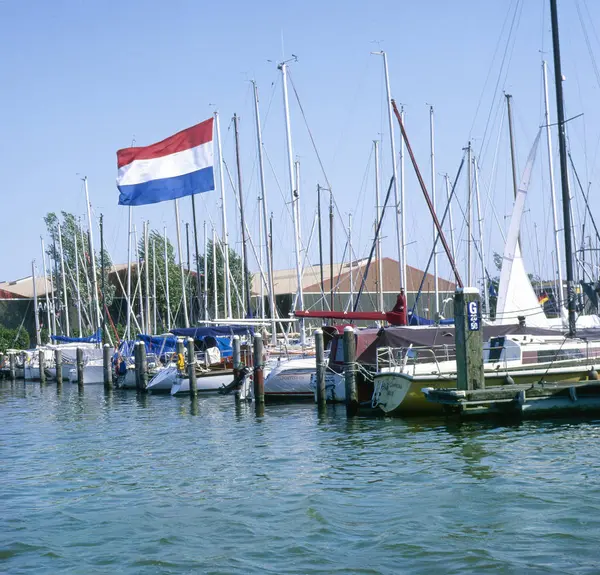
128 331
227 294
186 319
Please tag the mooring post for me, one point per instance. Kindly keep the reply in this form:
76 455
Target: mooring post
58 363
259 380
191 367
136 363
12 364
143 367
237 356
349 371
320 350
107 365
79 360
41 360
469 339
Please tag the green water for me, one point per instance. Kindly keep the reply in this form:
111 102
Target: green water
126 483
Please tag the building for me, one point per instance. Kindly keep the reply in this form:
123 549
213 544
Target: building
346 286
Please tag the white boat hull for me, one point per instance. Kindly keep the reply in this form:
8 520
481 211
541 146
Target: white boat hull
291 380
163 381
91 374
204 383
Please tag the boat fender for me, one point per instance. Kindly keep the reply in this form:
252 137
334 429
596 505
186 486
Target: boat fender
508 380
592 375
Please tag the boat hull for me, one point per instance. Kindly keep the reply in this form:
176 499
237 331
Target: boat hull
205 383
401 394
290 381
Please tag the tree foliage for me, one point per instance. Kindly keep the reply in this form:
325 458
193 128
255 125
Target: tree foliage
73 235
13 339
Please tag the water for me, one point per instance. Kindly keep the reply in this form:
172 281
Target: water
122 483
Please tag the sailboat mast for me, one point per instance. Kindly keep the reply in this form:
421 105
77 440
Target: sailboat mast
469 214
186 319
128 329
154 306
197 257
92 255
46 288
350 258
331 289
398 208
148 326
290 154
205 294
139 279
102 275
75 239
214 263
434 229
167 279
64 282
38 334
320 247
243 221
481 245
552 187
53 289
562 146
513 161
225 241
265 216
378 238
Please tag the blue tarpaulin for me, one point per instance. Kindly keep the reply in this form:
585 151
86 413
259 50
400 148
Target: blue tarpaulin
158 344
94 338
414 319
214 331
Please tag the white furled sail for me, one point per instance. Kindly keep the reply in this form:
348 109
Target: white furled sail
516 297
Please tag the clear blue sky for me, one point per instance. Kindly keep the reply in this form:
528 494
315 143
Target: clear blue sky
82 79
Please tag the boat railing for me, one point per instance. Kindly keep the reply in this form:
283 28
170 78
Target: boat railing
392 357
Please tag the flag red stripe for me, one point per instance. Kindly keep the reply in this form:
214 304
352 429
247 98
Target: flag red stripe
184 140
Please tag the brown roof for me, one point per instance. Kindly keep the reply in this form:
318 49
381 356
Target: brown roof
285 280
23 288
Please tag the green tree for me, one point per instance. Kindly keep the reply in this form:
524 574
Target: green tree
13 339
236 271
73 235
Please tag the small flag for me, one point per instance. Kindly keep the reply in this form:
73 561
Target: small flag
543 298
179 166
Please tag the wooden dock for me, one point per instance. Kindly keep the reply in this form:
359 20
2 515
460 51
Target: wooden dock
521 401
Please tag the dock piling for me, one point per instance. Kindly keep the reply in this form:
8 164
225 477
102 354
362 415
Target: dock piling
136 363
191 367
350 371
259 380
58 363
469 339
42 362
79 359
106 364
237 356
320 351
12 364
143 367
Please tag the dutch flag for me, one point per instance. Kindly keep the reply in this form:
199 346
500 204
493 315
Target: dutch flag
179 166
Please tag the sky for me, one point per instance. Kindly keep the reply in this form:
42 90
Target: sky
83 79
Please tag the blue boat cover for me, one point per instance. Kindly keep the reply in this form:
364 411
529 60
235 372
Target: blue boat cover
214 331
94 338
415 319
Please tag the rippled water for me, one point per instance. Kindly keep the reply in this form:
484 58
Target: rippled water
126 483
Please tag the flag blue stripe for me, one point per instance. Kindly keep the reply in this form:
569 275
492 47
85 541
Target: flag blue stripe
167 188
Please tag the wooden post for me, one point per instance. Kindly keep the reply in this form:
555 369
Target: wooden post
259 381
191 367
106 364
237 355
143 367
41 360
349 373
469 339
12 363
79 356
59 363
320 349
136 363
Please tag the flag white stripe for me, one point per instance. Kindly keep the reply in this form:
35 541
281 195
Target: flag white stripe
177 164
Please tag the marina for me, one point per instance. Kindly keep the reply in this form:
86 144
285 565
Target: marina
330 328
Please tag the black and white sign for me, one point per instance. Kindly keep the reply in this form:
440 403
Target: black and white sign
473 315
